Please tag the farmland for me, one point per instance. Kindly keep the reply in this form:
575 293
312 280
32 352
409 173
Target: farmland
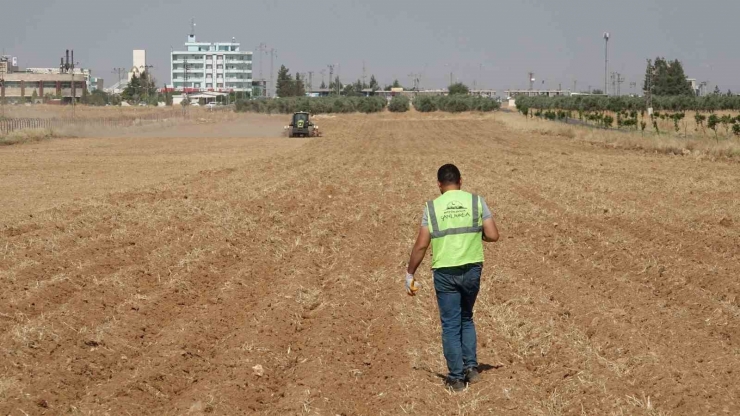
172 273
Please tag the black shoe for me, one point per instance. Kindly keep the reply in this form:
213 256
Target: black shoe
472 375
455 384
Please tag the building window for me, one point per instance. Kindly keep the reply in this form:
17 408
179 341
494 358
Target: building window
209 76
209 85
209 66
219 85
219 67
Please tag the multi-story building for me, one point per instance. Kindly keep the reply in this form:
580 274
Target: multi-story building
205 66
19 85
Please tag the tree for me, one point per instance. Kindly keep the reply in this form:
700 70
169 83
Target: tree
458 89
133 90
729 93
716 90
323 85
336 85
677 81
97 98
284 82
712 123
396 84
597 92
667 78
299 89
648 76
373 84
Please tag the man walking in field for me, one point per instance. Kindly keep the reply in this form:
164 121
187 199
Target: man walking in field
455 224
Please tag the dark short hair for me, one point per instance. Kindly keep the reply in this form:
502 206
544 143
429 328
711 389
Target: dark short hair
448 174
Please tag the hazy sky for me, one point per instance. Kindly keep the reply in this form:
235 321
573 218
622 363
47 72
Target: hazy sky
559 40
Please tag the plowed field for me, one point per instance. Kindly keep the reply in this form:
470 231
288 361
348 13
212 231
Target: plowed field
274 285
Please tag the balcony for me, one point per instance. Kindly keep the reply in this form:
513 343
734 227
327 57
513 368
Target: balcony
190 60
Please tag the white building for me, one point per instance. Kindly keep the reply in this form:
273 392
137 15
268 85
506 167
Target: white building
139 63
205 66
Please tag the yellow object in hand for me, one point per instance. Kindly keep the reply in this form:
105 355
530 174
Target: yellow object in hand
411 286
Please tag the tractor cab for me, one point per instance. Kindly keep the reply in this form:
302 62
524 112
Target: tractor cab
301 126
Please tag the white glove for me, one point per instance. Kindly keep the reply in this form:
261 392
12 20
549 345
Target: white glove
411 285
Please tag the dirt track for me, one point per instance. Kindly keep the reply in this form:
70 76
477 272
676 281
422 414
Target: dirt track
613 291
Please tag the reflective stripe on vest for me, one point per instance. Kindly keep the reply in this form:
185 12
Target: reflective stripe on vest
437 233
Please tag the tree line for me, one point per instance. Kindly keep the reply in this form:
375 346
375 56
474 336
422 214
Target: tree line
586 103
318 105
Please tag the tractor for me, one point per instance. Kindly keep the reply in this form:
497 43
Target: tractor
301 126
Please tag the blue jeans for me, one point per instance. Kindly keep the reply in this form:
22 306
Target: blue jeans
457 288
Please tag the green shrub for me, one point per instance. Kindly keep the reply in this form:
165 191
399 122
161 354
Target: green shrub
399 104
317 105
425 103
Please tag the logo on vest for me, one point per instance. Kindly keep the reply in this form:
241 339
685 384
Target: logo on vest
455 209
455 205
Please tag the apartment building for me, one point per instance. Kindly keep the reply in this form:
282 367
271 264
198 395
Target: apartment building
206 66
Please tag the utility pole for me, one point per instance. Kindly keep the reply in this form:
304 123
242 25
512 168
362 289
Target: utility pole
339 77
73 86
613 78
606 62
531 81
310 81
415 80
262 51
185 82
145 70
2 93
620 80
364 75
273 53
480 76
574 86
649 88
120 72
331 75
323 74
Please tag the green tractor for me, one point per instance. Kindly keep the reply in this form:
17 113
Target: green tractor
301 126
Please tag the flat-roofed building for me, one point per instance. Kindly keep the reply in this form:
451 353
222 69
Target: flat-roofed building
19 86
206 66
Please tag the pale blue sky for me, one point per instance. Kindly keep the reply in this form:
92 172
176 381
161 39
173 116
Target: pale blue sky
559 40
